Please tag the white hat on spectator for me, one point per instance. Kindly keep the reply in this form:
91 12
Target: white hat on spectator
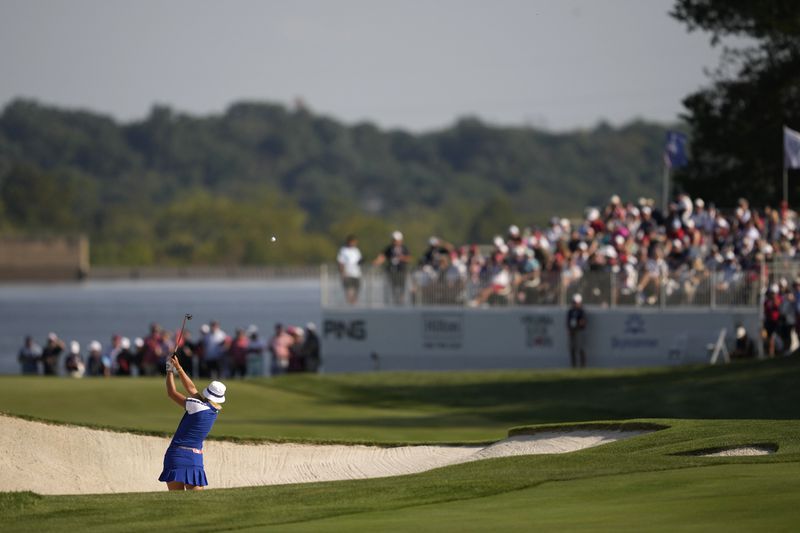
729 256
252 329
74 347
646 210
633 211
593 214
205 329
138 342
95 346
513 230
741 332
311 326
503 248
52 336
565 223
397 236
619 240
699 202
498 241
774 288
608 251
125 343
676 243
615 199
577 298
433 241
583 246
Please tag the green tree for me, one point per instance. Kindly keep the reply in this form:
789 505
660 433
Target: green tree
736 122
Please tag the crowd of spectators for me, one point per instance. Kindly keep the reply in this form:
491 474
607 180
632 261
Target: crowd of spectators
213 354
624 253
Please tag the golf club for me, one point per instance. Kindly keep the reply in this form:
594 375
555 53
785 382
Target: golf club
187 316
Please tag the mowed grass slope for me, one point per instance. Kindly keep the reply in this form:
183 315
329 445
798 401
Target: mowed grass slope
643 483
421 407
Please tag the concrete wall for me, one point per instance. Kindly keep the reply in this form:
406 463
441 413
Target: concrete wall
457 338
55 258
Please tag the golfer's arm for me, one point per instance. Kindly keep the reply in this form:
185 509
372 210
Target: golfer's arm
187 382
172 392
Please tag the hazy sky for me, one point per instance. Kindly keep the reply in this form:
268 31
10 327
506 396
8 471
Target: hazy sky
415 64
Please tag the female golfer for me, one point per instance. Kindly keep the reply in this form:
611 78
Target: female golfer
183 462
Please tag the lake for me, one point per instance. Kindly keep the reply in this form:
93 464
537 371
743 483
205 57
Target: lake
94 310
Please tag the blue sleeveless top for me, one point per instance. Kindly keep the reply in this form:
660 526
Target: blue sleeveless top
195 424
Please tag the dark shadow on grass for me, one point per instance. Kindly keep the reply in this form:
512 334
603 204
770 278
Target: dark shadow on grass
759 389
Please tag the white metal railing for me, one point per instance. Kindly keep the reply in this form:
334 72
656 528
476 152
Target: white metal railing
426 287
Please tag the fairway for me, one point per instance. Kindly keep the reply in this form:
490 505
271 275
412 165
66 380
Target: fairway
650 482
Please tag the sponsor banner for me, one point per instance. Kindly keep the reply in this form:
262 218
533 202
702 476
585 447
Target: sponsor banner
440 338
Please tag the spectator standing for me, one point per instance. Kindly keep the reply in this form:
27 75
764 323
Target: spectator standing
123 364
186 352
237 353
137 368
576 324
152 351
95 364
74 362
279 349
772 315
395 257
256 347
311 349
29 356
787 320
297 362
112 353
51 354
349 260
215 347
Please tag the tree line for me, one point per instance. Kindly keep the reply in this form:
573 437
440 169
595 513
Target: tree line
180 189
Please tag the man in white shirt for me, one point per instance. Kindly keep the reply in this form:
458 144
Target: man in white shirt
216 343
349 259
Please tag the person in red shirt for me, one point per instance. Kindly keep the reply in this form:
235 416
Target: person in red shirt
237 353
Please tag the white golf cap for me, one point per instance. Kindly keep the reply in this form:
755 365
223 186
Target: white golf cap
215 392
513 229
52 336
95 346
397 236
577 298
138 342
741 332
74 347
125 343
251 329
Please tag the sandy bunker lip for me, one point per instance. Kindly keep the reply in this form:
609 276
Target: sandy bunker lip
56 459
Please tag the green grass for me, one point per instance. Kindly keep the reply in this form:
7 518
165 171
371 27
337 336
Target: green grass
422 407
644 483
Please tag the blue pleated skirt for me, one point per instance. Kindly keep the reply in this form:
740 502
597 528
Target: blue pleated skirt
184 466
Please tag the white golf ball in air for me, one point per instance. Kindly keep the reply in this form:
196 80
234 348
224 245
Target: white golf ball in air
274 238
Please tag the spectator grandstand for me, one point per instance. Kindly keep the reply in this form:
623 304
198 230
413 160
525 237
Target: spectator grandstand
618 254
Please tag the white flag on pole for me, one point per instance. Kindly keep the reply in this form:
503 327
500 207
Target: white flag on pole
791 148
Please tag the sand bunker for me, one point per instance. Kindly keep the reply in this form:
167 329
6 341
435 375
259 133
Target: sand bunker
743 451
53 459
